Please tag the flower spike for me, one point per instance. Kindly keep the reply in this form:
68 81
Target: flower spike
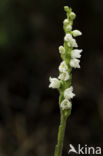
70 59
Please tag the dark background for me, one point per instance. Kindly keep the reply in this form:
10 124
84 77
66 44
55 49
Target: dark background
30 34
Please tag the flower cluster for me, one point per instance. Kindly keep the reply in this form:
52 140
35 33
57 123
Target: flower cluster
71 59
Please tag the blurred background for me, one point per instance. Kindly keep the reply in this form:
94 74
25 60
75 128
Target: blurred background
30 34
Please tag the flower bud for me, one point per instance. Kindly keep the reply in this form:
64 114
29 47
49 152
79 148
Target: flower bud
66 21
66 8
76 33
72 15
68 27
61 50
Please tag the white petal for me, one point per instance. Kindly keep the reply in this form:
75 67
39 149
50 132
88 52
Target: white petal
68 27
64 76
68 37
72 43
75 63
63 67
68 93
54 83
65 104
76 53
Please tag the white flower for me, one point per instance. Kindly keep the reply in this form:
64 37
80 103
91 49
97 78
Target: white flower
66 21
71 42
54 83
72 15
65 104
76 33
74 43
75 63
68 27
61 50
68 93
63 67
68 37
76 53
64 76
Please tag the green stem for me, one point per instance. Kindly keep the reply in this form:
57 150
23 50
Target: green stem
61 132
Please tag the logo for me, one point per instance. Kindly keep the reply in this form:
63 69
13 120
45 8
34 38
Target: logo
85 150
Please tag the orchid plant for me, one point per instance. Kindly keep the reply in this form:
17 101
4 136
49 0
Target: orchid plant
70 55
